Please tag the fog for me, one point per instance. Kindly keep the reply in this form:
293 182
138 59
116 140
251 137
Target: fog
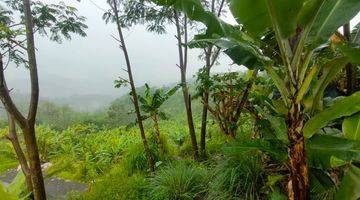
89 65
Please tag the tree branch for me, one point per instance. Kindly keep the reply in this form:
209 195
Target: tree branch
34 99
7 100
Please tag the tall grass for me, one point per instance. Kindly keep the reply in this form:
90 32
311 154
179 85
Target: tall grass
178 182
240 176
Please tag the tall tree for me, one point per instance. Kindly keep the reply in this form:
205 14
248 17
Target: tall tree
114 4
60 20
182 40
211 55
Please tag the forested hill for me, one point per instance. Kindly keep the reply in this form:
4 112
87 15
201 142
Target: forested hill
98 109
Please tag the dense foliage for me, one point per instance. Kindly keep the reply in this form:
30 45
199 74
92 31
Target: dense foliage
286 128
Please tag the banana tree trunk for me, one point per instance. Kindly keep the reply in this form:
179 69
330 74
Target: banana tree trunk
298 186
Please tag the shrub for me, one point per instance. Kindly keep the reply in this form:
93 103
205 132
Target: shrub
239 176
178 181
117 185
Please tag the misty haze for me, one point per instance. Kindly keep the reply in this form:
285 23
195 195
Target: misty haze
179 99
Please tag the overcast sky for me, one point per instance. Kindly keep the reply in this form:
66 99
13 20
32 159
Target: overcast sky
90 65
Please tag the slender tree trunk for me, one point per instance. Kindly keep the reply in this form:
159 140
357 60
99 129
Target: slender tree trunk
29 129
12 136
133 89
186 95
204 117
205 96
34 162
157 133
298 187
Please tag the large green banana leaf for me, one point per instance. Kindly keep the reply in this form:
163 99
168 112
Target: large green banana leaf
341 108
331 15
256 15
323 148
351 127
274 147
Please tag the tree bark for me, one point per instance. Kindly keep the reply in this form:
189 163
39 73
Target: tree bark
298 187
204 117
34 162
133 88
185 90
12 136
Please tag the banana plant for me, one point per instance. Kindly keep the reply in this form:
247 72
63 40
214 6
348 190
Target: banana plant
300 28
151 103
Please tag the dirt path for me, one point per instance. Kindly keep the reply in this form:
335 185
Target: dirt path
55 188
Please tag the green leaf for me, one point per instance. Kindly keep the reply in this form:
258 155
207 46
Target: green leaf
341 108
351 127
279 83
18 185
305 86
237 45
308 12
332 15
195 11
277 195
5 194
321 148
277 123
350 185
274 148
279 106
329 71
284 14
255 15
336 162
240 50
351 52
272 180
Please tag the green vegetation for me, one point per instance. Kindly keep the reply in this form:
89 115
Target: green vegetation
287 128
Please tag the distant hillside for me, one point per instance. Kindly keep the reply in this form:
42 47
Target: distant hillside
83 103
61 112
90 102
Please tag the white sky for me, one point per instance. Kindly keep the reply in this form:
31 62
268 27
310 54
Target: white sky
90 65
